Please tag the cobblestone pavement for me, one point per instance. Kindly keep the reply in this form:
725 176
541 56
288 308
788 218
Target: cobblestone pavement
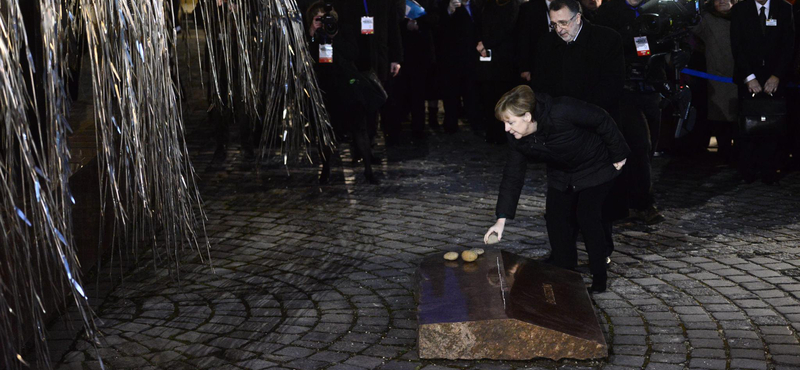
310 277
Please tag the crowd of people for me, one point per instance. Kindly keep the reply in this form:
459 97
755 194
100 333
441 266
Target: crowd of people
592 85
467 53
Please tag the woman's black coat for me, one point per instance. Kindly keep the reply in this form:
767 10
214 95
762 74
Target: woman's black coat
579 142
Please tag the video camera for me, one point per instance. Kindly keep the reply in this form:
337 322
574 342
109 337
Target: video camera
662 19
667 22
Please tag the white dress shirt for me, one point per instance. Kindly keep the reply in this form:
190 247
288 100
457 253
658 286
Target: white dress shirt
752 77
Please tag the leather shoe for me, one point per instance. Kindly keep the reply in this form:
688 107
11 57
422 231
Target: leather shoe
598 286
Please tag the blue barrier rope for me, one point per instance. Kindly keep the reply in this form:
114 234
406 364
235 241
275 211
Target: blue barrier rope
692 72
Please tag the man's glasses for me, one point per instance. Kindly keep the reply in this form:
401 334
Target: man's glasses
562 24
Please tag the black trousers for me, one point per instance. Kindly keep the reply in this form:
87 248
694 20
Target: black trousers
351 120
639 122
762 155
415 82
566 212
457 84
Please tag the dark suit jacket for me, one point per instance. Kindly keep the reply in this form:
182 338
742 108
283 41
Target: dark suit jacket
766 54
457 36
531 25
591 69
418 46
374 51
496 26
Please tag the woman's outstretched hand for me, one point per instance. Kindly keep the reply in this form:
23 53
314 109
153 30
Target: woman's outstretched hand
497 228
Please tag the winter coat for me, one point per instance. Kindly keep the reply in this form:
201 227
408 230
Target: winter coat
591 69
715 31
578 141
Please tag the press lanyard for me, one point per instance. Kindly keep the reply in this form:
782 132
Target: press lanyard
367 22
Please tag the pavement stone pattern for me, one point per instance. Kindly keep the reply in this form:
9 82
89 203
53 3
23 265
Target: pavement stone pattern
322 277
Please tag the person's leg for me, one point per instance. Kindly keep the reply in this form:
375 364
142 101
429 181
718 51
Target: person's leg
361 144
491 91
636 173
770 159
451 94
561 231
325 175
433 113
416 92
450 103
595 235
649 104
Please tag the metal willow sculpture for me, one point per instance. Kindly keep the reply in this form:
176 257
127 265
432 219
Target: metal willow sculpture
38 259
143 160
275 77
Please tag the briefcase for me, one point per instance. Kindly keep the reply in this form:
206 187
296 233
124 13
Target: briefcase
762 115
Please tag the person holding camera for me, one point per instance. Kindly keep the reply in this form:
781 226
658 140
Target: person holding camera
639 117
584 152
762 41
343 73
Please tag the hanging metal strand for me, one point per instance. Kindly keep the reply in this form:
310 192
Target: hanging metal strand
38 264
261 48
143 158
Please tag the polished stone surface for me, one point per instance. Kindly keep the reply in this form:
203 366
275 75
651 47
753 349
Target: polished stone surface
504 306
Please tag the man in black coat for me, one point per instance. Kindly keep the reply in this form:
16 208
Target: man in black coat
579 60
418 49
639 116
457 59
762 41
533 23
584 152
582 61
497 73
794 95
380 50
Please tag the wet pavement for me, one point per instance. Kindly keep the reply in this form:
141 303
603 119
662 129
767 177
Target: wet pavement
322 277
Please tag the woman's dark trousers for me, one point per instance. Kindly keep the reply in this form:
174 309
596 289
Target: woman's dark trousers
567 212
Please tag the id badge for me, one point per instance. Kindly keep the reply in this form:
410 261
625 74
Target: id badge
772 23
488 57
642 47
326 53
367 25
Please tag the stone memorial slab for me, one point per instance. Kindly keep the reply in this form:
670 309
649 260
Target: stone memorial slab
505 307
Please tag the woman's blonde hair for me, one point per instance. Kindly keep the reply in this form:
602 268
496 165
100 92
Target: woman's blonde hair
518 101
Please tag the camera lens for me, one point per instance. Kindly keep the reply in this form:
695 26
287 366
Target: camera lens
329 24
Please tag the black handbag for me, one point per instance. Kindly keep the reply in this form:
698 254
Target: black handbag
762 115
369 91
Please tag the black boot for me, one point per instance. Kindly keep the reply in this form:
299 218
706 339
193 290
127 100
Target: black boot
598 284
